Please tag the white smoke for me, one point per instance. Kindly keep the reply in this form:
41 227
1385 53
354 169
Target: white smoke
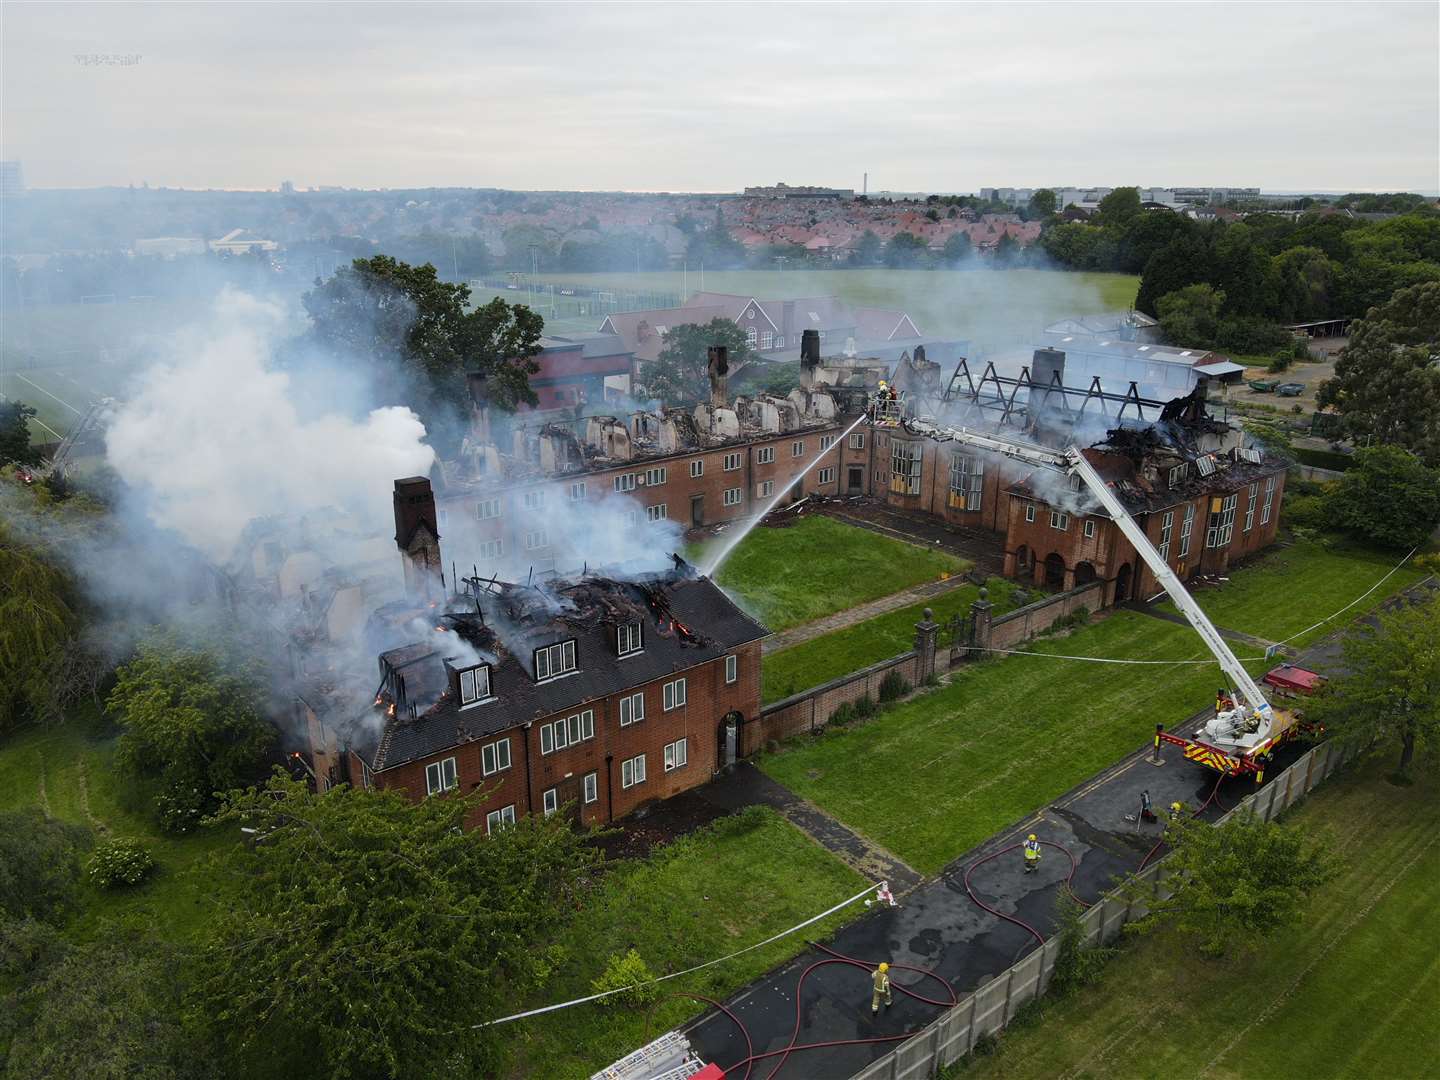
216 435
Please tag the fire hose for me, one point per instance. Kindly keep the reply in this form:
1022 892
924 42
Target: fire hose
1213 797
1010 918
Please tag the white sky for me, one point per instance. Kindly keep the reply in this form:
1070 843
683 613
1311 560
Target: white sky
711 97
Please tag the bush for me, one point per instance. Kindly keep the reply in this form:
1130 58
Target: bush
843 714
1279 364
1323 459
1075 965
625 970
1306 512
119 862
865 707
893 686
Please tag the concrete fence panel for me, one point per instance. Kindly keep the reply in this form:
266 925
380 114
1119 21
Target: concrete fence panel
990 1007
1025 983
1094 926
955 1032
915 1059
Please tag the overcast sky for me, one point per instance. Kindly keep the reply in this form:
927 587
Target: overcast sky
712 97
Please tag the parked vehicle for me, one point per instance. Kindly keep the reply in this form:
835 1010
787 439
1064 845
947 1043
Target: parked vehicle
1290 389
1263 386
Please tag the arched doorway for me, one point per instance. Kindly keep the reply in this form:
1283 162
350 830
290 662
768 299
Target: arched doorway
1022 561
1084 573
1122 584
1054 570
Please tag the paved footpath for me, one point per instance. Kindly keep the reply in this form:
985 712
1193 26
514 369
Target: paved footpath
850 616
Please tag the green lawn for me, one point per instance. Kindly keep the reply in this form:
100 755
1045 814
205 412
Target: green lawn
70 776
821 659
1352 992
1291 588
1001 740
982 305
702 897
802 572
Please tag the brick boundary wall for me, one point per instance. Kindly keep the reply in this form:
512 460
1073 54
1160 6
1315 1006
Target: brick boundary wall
1025 623
808 711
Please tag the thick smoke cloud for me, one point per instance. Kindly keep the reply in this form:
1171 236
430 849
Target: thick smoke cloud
216 434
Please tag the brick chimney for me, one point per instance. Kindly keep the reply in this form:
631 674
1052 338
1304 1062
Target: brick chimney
417 537
809 356
479 408
718 367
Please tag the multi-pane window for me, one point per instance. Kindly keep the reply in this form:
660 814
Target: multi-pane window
857 441
1059 520
732 668
677 754
492 549
656 512
628 638
632 771
654 477
1186 527
577 491
533 500
1269 500
905 468
632 709
1167 526
591 788
765 455
496 818
1179 473
495 756
536 539
697 467
752 336
487 508
767 339
827 475
827 441
672 695
474 684
1089 529
797 448
967 482
567 732
732 496
555 660
732 462
1222 521
551 801
625 482
1029 511
766 487
1252 495
440 776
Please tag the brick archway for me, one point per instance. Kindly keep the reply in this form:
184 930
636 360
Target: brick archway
1055 570
1123 581
1084 573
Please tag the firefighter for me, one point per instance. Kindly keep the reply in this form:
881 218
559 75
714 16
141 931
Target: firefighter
881 979
1147 813
1177 809
1032 854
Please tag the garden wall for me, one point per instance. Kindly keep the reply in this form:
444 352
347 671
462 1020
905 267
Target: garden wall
992 1006
1024 623
807 711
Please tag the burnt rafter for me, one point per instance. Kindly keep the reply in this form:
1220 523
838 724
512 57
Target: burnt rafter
1000 397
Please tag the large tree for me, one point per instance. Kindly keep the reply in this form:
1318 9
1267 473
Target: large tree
37 623
15 446
679 375
1387 382
368 935
39 866
1191 316
1042 205
193 727
1389 688
1388 497
381 309
1119 207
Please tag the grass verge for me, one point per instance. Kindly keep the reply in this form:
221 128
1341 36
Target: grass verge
1353 991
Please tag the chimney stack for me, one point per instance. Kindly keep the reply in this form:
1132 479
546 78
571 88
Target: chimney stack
809 356
418 538
479 408
718 367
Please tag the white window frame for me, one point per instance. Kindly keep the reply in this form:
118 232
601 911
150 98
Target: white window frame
555 660
492 549
797 448
504 816
732 668
1187 526
1089 528
537 539
765 455
495 757
1179 472
767 339
672 695
1221 525
1252 496
767 487
1029 512
629 638
1059 520
441 776
632 771
697 468
857 441
476 695
550 801
1167 526
590 788
654 477
752 336
731 461
676 755
576 492
632 709
732 497
656 512
486 509
827 475
533 500
967 479
567 731
905 463
1269 500
826 441
624 482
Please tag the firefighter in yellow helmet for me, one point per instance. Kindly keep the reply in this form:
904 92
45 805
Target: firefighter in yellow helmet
881 979
1032 854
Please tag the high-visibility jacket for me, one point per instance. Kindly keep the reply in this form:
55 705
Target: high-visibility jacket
1032 850
882 981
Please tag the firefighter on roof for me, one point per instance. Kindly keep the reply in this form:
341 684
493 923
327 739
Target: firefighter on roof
881 979
1032 854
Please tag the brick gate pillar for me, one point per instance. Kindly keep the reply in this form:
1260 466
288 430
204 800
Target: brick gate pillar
980 620
927 630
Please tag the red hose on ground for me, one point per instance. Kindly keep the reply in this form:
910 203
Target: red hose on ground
1010 918
1203 807
749 1045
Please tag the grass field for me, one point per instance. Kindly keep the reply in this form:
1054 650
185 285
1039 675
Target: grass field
980 305
1353 992
979 753
702 897
802 572
829 656
1291 588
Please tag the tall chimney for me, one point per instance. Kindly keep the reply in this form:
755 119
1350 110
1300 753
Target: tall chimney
809 356
718 367
418 538
479 407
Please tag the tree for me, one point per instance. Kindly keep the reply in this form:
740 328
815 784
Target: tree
1234 883
37 623
192 724
372 933
1119 206
1042 205
957 249
1388 497
1185 260
1386 382
39 866
1191 316
868 249
1072 244
679 375
15 447
1306 279
905 251
404 316
1390 686
1007 250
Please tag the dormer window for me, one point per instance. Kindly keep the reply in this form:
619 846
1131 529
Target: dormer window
1179 472
628 638
554 660
474 684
